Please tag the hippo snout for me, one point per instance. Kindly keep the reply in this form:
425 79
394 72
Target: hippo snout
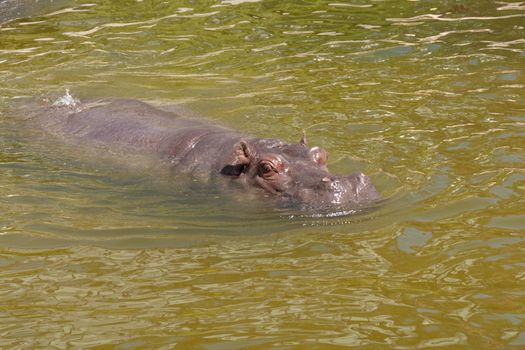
338 191
362 187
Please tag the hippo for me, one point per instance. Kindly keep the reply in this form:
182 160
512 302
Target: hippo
292 173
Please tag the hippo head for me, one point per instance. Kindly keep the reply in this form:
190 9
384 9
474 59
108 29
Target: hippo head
297 174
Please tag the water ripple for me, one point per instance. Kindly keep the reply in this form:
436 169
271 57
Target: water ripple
438 17
425 97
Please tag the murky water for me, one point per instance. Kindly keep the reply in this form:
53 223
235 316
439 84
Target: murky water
427 97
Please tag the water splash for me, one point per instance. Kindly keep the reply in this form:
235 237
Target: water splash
66 100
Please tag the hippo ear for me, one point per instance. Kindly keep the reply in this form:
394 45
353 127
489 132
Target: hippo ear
303 141
240 159
318 156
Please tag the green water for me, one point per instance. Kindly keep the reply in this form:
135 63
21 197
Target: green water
426 97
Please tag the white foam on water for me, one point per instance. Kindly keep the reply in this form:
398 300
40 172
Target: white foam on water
66 100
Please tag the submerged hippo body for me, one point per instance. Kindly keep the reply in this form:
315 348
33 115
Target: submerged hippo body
292 173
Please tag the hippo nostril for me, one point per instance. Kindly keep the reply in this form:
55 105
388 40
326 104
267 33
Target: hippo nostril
363 179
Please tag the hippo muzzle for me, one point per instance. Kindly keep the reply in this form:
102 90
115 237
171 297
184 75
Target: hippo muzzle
337 192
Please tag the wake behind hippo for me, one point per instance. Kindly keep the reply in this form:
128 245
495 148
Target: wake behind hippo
292 173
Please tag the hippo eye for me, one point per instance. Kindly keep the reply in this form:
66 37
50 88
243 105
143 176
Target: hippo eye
270 165
266 168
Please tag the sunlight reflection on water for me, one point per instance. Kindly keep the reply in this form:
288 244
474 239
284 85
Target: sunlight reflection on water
425 97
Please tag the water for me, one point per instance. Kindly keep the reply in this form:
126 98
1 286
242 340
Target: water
425 97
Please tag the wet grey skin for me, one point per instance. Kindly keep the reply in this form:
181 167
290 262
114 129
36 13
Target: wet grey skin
292 173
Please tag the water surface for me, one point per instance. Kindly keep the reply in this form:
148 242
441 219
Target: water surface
425 97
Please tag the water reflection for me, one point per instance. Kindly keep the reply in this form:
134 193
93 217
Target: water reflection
426 97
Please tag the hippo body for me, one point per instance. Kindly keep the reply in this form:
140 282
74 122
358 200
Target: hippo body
293 173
